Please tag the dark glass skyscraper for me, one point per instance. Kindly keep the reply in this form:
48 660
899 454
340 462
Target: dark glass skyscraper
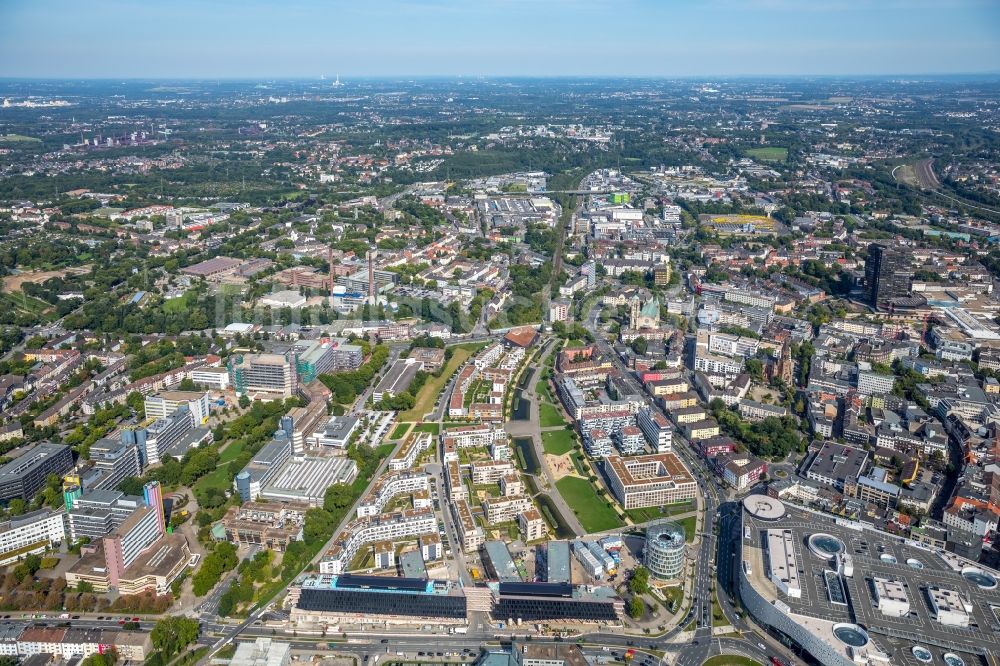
887 274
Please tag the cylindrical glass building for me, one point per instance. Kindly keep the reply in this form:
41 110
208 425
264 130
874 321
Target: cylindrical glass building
664 551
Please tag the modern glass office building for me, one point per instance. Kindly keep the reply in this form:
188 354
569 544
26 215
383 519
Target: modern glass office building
540 602
663 554
381 595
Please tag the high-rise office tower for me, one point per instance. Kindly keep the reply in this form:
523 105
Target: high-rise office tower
887 274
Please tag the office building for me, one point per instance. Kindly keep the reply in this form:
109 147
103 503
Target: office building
113 461
154 437
656 428
151 570
24 476
129 540
556 602
302 422
887 274
153 494
874 383
262 652
663 552
263 467
163 404
211 377
30 533
835 464
133 557
323 356
99 512
328 599
337 432
651 480
270 374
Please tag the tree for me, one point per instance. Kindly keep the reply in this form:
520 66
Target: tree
17 506
172 634
318 526
137 403
244 402
636 608
338 497
640 581
640 345
33 562
131 485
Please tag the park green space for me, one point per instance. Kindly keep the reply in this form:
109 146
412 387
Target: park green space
18 138
768 153
594 514
558 442
542 389
549 416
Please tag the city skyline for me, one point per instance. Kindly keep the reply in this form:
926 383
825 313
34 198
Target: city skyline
637 38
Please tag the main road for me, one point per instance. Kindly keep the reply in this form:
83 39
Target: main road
712 549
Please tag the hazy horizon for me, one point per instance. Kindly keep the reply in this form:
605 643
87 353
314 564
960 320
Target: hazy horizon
304 39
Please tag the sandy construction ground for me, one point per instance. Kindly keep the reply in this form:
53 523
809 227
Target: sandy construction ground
12 283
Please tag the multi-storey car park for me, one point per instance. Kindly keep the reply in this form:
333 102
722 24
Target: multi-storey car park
850 595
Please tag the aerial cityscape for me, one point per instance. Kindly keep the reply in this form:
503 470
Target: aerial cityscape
452 359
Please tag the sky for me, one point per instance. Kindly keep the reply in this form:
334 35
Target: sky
365 38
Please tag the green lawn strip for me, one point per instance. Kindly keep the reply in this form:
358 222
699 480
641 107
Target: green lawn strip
718 617
542 389
231 452
430 390
689 524
648 513
432 428
549 416
558 442
400 430
594 513
730 660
